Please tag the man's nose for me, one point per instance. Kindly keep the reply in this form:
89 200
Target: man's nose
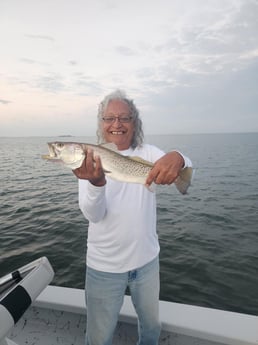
117 122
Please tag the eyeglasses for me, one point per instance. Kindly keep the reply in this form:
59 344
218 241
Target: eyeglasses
121 119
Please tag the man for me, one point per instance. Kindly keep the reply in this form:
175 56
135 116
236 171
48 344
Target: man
123 247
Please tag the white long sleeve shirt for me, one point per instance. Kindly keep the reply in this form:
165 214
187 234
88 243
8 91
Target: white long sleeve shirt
122 220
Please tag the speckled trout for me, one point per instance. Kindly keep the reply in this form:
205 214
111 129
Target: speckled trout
118 167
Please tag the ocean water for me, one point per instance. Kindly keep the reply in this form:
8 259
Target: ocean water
209 238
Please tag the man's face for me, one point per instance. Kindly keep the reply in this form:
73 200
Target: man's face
117 132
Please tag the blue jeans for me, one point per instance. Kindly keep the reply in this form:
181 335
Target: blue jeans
104 298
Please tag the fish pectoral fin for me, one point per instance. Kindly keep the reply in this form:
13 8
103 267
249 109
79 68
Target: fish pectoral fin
140 160
107 171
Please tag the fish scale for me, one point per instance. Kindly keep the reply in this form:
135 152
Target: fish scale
122 168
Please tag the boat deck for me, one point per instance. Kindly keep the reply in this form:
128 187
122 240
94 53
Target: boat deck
58 317
41 326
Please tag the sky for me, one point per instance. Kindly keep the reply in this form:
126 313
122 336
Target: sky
191 66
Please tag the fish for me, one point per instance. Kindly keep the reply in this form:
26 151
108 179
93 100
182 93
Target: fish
118 167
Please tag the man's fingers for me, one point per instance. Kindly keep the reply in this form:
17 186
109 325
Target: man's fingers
97 161
89 162
161 176
91 169
151 177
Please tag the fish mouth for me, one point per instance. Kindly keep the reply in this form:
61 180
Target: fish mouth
52 153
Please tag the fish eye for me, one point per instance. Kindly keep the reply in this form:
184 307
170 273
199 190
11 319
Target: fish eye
60 145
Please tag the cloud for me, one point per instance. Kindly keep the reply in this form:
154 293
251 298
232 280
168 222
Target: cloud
4 101
227 102
28 61
40 37
73 62
125 51
31 62
51 83
84 85
212 40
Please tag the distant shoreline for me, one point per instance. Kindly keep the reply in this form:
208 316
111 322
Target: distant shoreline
146 135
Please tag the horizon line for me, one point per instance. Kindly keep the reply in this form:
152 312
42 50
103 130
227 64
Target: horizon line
147 134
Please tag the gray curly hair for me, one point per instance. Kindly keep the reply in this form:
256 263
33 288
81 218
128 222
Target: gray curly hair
138 135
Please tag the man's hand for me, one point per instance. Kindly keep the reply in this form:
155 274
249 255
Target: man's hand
166 169
91 169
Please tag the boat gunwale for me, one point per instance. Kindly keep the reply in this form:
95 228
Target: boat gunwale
215 325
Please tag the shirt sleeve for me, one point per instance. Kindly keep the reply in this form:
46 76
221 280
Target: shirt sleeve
188 162
92 201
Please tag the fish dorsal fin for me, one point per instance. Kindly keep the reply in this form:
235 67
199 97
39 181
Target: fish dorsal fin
113 147
140 160
110 146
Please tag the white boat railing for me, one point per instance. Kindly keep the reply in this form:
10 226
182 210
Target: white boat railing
18 290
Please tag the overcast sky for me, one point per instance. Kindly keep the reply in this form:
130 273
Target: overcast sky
190 65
